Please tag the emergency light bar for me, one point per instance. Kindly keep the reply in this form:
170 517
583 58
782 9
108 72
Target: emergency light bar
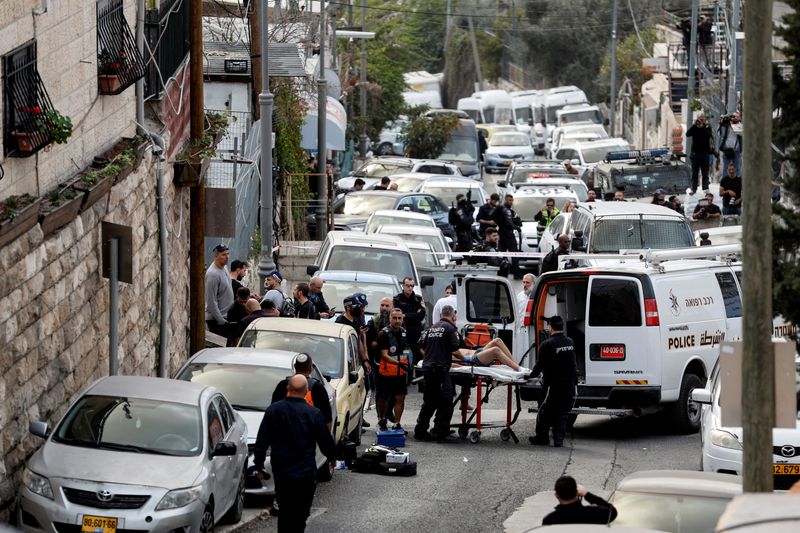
637 154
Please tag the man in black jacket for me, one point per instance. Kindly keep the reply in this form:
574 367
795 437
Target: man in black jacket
413 314
303 365
550 261
701 150
570 510
507 221
293 429
557 362
460 217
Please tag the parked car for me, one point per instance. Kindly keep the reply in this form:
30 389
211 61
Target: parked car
529 200
564 181
585 155
409 181
137 454
334 349
248 377
392 138
522 172
673 500
761 512
446 190
389 216
588 130
639 174
720 235
339 284
504 148
722 446
410 233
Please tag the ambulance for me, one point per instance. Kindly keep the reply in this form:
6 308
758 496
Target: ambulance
647 328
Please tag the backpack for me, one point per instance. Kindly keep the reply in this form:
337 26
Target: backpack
288 308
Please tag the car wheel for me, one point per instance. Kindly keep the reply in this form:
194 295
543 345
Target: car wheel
207 522
385 149
685 414
234 514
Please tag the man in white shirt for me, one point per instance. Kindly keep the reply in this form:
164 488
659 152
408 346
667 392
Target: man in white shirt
525 293
450 300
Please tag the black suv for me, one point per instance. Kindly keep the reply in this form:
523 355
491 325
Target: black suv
639 174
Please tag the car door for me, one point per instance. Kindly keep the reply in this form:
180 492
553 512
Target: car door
733 304
220 468
358 392
237 434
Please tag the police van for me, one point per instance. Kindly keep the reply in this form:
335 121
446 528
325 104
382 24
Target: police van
647 328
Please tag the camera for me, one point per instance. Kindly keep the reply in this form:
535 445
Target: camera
725 120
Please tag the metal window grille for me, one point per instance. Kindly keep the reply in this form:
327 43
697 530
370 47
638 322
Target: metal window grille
167 34
26 104
119 63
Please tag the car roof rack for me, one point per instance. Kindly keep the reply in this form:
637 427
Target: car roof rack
641 157
722 252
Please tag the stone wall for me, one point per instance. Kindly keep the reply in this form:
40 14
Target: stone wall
54 311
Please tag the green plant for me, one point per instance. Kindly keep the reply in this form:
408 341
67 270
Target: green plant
57 125
219 122
56 197
198 149
11 205
428 136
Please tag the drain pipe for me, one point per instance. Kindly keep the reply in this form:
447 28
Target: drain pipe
158 151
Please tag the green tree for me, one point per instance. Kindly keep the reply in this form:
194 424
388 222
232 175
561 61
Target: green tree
786 130
289 115
428 135
630 52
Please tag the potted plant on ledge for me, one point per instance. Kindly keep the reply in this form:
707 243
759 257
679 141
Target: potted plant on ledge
18 214
192 163
59 208
108 72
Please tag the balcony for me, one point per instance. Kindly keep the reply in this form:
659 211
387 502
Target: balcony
119 63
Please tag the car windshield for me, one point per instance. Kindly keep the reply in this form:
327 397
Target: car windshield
447 193
529 174
523 114
382 220
526 207
357 205
247 387
474 114
510 139
326 352
598 153
379 170
132 424
667 512
434 241
550 113
611 234
395 262
461 149
674 180
591 115
408 183
423 258
336 291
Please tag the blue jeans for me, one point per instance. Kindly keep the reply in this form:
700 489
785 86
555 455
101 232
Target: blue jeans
736 160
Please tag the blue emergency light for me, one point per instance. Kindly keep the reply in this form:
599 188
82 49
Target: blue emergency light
637 154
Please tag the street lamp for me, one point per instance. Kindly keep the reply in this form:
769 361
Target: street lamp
322 144
265 100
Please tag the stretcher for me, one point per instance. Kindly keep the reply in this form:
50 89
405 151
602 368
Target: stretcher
485 379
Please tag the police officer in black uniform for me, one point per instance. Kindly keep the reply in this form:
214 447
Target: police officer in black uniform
460 217
489 245
441 344
507 222
557 363
413 310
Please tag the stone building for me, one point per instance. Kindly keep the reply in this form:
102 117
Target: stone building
54 302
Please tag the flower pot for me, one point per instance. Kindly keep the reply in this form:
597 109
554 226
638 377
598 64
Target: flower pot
25 141
191 172
108 83
24 219
95 192
53 217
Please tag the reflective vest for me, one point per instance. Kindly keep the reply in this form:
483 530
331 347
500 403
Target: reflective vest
398 350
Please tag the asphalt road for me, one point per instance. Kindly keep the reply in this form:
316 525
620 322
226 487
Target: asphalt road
476 487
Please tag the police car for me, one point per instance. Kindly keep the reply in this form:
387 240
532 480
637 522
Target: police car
531 199
647 329
639 174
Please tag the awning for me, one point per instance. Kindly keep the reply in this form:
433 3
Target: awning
334 133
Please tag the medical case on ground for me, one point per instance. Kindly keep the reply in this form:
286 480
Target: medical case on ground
397 469
392 437
398 457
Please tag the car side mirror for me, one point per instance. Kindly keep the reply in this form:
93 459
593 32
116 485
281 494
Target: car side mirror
224 449
39 428
312 269
574 162
426 281
352 376
701 396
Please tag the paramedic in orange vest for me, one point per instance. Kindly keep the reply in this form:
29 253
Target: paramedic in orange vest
316 395
391 383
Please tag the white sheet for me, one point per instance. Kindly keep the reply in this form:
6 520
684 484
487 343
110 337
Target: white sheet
500 373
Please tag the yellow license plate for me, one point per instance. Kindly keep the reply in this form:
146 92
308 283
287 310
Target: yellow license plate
98 524
786 469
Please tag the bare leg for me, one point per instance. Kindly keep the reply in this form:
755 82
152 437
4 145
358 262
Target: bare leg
399 404
488 356
498 342
380 407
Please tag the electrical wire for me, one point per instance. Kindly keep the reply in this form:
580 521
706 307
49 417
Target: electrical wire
636 28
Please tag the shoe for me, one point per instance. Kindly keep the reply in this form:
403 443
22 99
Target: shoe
390 417
365 424
538 442
450 439
558 444
399 427
274 511
382 424
424 437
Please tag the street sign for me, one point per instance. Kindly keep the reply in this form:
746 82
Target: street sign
124 236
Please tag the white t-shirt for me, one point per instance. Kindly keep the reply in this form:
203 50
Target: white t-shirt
522 301
451 300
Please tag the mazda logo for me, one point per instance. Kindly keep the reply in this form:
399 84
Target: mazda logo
787 451
104 496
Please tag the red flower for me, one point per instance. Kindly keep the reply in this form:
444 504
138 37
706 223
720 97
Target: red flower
30 109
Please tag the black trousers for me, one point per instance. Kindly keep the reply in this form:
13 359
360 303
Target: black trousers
437 398
508 243
700 165
554 413
464 240
219 329
294 496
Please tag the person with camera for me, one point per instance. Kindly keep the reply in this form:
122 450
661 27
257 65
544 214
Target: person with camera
508 223
706 209
571 510
701 150
460 217
730 188
548 213
730 141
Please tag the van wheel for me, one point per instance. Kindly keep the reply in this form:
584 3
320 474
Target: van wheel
385 149
685 414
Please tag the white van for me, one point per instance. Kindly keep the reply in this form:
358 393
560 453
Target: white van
496 106
646 331
578 114
472 107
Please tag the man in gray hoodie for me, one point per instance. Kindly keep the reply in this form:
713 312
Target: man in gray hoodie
219 292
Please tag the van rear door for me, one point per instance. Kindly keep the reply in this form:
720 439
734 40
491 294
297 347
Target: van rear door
617 346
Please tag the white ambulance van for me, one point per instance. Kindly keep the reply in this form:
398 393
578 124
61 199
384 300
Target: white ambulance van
647 330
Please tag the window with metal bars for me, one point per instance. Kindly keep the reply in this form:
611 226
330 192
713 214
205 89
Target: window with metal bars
119 63
26 125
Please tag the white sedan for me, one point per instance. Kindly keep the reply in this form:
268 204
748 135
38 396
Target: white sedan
722 446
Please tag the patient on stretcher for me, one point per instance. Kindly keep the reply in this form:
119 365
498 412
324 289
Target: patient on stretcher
494 350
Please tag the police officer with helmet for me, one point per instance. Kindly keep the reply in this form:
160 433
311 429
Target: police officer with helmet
558 365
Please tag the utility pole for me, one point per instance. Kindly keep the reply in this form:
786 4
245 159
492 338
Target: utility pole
475 56
758 362
362 84
691 78
734 57
449 13
612 118
197 195
322 145
265 100
255 57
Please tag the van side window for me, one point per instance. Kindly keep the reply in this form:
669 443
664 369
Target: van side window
488 301
730 294
615 303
